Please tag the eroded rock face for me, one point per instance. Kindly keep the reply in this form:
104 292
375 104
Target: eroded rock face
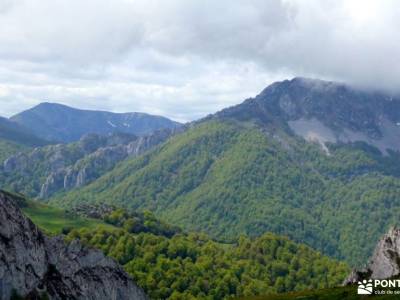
48 170
32 264
326 111
385 262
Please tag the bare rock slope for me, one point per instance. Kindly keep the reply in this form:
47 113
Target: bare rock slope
32 264
45 171
385 262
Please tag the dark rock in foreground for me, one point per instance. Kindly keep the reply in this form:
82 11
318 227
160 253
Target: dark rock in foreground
32 264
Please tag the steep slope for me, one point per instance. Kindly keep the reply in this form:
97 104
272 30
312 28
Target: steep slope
14 133
325 112
385 261
34 265
61 123
51 169
171 264
244 170
8 149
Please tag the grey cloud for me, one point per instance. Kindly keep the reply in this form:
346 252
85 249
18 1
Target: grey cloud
183 58
80 32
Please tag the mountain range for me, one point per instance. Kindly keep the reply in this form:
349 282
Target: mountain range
41 166
312 160
316 161
61 123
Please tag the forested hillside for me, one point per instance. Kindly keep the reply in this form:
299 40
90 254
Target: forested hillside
171 264
317 161
229 178
192 266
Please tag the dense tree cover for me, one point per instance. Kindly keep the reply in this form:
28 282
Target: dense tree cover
194 267
135 222
230 178
132 221
169 263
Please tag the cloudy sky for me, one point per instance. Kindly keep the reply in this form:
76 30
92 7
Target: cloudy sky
187 58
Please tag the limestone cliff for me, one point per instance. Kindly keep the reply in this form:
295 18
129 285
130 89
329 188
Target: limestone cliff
32 264
385 261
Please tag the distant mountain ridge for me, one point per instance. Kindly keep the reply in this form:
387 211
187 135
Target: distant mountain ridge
57 122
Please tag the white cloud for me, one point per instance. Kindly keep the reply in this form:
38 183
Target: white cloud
184 59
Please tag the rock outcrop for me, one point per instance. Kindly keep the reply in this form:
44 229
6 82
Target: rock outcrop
48 170
33 265
385 261
94 165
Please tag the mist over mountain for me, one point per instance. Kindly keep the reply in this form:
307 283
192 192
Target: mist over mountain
324 111
61 123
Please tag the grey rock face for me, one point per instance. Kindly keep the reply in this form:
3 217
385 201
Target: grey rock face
32 264
384 263
63 167
94 165
326 110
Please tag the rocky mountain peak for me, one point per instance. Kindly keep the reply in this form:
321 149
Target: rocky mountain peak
33 264
324 111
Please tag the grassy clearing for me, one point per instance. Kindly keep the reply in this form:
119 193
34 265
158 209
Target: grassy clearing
53 220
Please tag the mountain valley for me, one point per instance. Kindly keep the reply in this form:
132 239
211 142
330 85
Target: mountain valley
257 190
245 171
